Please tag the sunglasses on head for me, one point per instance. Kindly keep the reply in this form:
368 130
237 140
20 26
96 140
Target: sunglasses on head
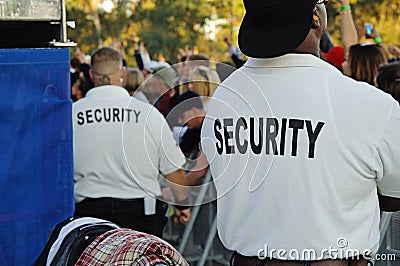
319 2
203 74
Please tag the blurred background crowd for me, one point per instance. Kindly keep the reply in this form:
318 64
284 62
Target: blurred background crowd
152 34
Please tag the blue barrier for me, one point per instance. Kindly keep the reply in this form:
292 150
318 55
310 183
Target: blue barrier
36 165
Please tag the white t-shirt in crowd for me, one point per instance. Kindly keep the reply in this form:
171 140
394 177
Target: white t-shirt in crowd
121 145
141 96
297 153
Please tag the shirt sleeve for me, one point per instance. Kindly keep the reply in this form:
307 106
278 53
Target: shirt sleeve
170 155
389 156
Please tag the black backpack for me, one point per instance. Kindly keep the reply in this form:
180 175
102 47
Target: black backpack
73 244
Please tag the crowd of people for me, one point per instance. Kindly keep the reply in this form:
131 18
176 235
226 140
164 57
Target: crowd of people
359 60
122 146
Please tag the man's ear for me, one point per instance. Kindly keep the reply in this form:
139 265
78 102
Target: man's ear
316 21
123 72
91 75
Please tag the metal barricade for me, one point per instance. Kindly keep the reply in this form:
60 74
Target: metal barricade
210 251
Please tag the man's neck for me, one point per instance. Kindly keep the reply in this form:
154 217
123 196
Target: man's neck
309 46
110 84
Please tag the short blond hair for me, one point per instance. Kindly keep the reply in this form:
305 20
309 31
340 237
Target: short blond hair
133 79
204 80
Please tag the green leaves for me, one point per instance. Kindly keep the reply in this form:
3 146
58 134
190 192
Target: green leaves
167 25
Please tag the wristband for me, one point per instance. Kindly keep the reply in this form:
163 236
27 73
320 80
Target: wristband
182 204
181 208
378 40
344 8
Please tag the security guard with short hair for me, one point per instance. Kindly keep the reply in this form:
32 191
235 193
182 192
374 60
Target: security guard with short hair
121 145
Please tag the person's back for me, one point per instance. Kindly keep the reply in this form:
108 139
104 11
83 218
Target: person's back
110 124
328 134
302 151
121 146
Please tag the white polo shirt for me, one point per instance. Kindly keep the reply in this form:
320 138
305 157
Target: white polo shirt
297 152
121 145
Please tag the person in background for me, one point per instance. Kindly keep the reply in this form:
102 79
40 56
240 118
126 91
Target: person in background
326 43
164 81
116 177
348 29
79 77
225 69
189 107
142 57
195 60
79 89
74 70
159 88
388 79
335 57
235 53
364 62
394 52
133 79
190 134
182 56
204 81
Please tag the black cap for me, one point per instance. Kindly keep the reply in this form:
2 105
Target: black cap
272 28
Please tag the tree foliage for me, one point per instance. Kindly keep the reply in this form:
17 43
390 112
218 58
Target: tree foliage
384 15
167 25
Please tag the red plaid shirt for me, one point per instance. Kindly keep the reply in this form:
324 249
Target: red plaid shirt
128 247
